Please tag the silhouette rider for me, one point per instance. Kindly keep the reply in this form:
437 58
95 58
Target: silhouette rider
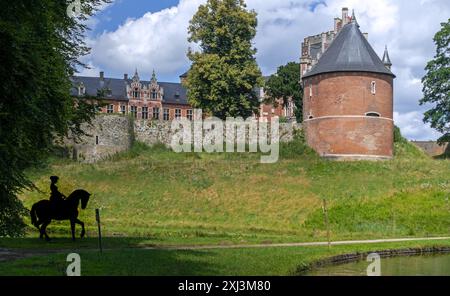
55 195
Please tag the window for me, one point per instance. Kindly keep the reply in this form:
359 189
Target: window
155 113
154 95
81 90
177 113
144 112
136 93
310 91
189 114
134 111
96 140
373 114
123 109
110 109
166 114
373 87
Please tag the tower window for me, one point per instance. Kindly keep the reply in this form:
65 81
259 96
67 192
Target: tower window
373 114
310 91
96 140
373 87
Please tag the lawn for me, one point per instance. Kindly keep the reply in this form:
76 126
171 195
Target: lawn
166 198
226 262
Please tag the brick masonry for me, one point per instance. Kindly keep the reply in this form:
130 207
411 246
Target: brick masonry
336 108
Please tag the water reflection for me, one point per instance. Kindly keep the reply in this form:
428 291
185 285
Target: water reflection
424 265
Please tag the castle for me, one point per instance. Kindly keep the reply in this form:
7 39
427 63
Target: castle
154 100
348 94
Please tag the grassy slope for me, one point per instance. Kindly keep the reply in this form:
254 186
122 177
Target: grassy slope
267 261
168 198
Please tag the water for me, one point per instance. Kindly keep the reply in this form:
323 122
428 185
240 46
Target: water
424 265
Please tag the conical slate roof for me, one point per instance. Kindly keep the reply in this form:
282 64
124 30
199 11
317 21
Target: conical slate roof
349 52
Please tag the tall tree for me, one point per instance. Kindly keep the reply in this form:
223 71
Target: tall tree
436 84
284 86
41 44
224 74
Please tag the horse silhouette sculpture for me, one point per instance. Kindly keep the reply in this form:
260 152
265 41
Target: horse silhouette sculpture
44 211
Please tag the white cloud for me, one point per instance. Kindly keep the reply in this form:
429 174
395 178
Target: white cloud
159 41
413 128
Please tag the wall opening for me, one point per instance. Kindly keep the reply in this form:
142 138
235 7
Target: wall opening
373 114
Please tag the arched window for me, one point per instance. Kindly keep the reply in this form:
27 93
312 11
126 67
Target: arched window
373 114
373 87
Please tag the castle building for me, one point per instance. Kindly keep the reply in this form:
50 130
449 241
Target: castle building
348 97
154 100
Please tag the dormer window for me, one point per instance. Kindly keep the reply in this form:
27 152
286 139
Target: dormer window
136 93
373 87
81 90
154 95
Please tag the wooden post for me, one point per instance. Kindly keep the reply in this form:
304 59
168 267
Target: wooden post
97 217
325 211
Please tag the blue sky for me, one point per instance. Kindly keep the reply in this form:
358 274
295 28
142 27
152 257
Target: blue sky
121 10
152 34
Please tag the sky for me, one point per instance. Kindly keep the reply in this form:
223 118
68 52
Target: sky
152 35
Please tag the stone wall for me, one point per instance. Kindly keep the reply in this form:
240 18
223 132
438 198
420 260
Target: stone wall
110 134
432 148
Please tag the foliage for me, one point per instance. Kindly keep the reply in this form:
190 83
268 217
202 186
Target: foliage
436 85
224 74
40 48
398 138
285 85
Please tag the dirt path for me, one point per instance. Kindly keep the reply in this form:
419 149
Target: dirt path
354 242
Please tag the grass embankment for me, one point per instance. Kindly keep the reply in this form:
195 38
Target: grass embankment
161 197
255 262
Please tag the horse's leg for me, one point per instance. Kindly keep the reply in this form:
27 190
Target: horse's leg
43 231
72 227
82 227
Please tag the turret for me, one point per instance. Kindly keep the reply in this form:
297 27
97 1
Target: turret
386 59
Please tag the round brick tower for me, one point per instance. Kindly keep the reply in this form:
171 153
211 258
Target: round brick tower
348 100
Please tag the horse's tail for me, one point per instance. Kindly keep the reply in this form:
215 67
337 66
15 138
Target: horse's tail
34 220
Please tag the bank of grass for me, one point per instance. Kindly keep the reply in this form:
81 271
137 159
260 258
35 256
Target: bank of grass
167 198
225 262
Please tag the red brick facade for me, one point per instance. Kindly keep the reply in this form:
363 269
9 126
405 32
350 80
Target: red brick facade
349 114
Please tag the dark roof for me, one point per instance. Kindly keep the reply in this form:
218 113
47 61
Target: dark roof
174 93
350 51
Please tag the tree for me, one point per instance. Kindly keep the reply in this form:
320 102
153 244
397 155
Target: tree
224 74
436 85
285 85
40 49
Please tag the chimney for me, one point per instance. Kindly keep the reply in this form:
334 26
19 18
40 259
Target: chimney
125 76
336 25
324 40
102 75
344 16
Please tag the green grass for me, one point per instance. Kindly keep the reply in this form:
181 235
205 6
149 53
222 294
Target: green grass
164 198
255 262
